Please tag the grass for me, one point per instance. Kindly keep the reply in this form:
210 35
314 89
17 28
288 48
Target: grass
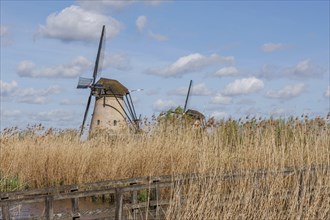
36 158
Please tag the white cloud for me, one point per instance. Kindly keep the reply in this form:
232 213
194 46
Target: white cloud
190 63
327 92
77 24
163 105
199 90
54 115
226 71
11 113
157 37
271 47
141 22
305 68
71 70
221 99
27 95
37 96
244 86
7 88
287 92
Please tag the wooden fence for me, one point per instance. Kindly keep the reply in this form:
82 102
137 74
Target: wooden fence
124 192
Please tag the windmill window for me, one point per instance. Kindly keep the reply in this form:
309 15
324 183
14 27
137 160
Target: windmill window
98 122
114 122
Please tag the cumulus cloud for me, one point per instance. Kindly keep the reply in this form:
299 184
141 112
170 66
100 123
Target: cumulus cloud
7 88
78 24
199 90
226 71
11 113
71 70
221 99
272 47
27 95
243 86
327 92
163 105
189 63
141 22
305 69
287 92
37 96
54 115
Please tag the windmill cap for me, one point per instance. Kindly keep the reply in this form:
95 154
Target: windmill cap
113 85
195 114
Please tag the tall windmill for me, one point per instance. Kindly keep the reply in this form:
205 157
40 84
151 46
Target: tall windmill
193 114
113 107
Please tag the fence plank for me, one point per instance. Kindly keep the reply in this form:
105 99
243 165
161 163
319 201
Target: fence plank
75 205
119 204
49 207
5 211
153 184
134 201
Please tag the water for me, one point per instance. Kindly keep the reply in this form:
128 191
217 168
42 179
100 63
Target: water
62 209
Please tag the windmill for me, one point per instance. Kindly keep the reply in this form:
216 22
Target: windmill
199 118
113 102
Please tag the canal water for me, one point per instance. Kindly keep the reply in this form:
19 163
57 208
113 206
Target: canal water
62 209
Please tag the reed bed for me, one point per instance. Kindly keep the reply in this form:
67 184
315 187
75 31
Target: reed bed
36 157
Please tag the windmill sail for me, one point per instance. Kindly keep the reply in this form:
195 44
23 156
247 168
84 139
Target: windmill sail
185 105
84 83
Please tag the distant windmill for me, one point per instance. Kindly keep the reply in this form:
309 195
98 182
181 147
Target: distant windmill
113 103
194 114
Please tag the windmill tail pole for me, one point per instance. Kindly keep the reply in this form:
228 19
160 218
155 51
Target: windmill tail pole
185 105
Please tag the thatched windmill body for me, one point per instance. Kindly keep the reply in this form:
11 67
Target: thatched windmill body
113 108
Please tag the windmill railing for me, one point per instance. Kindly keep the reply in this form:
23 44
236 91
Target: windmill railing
124 192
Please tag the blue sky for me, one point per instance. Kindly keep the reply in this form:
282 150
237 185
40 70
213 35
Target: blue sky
256 58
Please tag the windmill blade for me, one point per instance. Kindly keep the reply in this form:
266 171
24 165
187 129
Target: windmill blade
97 61
185 105
84 83
86 112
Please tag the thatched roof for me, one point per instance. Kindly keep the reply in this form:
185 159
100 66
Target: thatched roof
111 85
195 114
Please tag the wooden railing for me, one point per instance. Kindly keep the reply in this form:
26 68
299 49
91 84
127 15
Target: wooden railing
120 188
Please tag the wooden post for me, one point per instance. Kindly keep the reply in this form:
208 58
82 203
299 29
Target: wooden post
119 204
154 196
134 201
75 205
49 207
5 211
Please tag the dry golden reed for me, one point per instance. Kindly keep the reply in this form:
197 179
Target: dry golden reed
33 159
